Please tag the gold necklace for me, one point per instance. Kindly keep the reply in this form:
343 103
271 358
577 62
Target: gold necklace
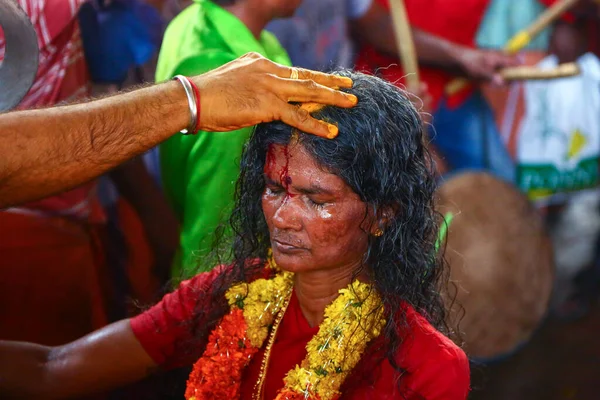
264 366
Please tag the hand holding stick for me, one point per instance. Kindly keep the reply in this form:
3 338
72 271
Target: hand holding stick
523 38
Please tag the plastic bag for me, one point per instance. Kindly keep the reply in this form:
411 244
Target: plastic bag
558 145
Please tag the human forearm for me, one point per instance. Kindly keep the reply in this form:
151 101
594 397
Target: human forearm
436 51
46 151
103 360
376 28
22 370
42 147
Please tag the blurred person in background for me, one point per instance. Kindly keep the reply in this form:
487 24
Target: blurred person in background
318 37
199 171
464 131
578 31
121 38
52 267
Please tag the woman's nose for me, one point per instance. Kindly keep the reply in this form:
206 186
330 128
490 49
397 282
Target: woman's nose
288 215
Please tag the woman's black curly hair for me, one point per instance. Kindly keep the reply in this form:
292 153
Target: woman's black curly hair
380 153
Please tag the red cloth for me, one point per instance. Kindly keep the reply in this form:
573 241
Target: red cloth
51 289
443 18
435 367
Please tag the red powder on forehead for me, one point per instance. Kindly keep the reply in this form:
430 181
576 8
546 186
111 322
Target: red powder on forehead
270 161
284 174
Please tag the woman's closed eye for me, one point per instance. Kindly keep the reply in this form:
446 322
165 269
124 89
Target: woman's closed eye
272 189
316 203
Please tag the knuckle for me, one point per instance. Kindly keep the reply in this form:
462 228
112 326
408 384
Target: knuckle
310 84
302 114
303 74
253 55
262 62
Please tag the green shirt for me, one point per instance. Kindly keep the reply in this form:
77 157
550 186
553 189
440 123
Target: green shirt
199 172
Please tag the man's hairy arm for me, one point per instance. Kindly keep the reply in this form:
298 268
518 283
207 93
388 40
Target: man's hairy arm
42 148
46 151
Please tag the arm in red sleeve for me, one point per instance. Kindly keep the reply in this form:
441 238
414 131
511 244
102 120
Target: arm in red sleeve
431 368
447 376
165 330
437 368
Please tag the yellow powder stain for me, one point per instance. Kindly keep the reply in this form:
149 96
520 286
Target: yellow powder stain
576 143
312 107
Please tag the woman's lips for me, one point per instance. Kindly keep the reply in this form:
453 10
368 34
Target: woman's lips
285 246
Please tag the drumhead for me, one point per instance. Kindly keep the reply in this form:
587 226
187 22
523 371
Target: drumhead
501 264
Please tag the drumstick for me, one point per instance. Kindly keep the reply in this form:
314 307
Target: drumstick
522 38
525 72
529 73
405 44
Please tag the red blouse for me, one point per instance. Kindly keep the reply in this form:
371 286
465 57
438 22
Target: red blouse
435 368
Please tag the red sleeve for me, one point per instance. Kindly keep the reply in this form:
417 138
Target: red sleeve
433 368
436 367
165 330
445 376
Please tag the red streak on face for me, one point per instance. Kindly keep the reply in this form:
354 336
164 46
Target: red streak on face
270 161
270 164
284 174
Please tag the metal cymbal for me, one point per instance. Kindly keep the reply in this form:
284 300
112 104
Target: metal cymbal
20 64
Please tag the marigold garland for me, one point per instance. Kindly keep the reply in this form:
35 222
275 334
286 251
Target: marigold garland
350 323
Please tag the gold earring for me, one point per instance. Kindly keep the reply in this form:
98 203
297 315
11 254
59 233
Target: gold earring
378 233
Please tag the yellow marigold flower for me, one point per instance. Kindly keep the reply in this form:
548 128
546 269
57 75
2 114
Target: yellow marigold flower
300 380
263 300
328 387
236 294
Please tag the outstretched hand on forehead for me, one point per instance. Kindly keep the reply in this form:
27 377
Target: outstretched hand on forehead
254 90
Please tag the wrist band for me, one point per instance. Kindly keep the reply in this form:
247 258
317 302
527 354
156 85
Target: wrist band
193 96
198 108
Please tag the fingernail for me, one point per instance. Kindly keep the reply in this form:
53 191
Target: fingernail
352 98
333 131
347 81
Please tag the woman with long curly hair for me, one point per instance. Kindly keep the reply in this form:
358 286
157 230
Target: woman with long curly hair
333 291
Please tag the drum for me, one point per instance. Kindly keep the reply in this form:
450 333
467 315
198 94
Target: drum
19 63
501 265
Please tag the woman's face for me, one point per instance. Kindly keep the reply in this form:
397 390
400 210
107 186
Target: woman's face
314 217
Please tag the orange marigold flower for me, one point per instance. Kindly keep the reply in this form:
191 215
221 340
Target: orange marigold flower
287 394
220 368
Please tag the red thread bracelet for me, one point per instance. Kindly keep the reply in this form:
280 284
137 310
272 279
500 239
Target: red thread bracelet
198 107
